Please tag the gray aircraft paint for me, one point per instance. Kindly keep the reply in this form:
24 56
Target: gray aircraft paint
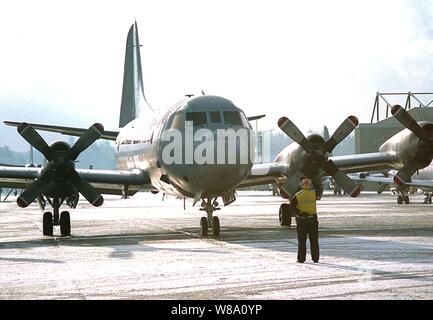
133 99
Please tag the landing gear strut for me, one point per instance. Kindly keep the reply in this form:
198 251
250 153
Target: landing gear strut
209 205
55 219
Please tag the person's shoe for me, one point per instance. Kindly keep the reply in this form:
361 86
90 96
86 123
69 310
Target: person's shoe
301 261
316 261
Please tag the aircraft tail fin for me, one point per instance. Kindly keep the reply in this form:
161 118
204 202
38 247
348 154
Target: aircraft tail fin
325 133
133 98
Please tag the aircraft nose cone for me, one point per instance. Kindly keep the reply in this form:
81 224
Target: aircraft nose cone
210 178
223 177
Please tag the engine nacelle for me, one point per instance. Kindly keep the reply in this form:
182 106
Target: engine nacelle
302 165
409 148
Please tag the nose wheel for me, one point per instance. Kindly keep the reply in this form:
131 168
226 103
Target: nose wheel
210 221
65 224
203 227
215 226
47 224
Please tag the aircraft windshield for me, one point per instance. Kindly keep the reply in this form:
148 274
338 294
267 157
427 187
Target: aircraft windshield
215 116
233 118
198 118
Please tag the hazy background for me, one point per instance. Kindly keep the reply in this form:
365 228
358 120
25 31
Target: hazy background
315 62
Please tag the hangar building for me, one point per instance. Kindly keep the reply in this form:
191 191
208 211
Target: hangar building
370 136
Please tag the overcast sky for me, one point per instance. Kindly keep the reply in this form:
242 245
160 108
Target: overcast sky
315 62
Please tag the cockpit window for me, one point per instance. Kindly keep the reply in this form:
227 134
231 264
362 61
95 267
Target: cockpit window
233 118
198 118
178 122
245 121
215 116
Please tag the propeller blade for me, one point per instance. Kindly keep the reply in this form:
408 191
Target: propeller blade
289 128
35 140
406 119
341 133
87 138
88 192
342 179
33 191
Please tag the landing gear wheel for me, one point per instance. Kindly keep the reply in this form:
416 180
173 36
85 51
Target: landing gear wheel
203 226
399 199
216 226
285 215
65 224
47 224
406 199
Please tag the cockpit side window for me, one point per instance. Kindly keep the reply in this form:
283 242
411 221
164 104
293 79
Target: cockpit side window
178 121
233 118
198 118
245 121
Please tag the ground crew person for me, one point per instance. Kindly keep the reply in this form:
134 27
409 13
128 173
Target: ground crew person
304 204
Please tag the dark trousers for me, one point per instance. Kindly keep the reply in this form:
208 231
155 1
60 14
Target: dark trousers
308 227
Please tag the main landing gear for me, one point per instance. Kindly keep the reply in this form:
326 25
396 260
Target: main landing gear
403 199
428 198
209 205
285 215
55 219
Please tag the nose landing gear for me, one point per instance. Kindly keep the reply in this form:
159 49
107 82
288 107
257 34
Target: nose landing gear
55 219
209 205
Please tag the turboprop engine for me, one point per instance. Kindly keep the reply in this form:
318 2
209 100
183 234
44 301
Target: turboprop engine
309 157
413 146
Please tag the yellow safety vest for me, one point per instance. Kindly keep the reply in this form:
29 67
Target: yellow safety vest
306 201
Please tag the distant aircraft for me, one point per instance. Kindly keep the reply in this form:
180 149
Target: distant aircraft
422 179
179 151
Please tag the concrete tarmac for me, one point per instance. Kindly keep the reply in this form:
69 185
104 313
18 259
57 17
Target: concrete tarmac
143 248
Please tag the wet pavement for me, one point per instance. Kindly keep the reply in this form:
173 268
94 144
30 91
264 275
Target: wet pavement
146 248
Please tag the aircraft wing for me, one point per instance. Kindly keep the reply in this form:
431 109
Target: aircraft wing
266 173
71 131
275 172
366 162
381 180
11 165
422 184
105 181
